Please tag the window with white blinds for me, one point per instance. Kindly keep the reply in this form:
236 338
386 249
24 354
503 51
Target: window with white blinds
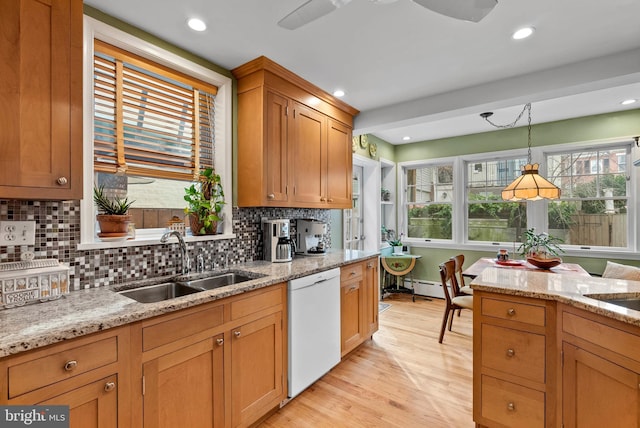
150 120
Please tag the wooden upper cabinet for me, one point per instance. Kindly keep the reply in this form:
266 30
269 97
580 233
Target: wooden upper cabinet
41 99
294 140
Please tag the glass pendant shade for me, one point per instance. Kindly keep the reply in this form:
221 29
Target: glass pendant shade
530 186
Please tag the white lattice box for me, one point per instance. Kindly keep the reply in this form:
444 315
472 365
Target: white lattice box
32 281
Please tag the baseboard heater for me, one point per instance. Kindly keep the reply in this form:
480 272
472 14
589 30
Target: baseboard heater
422 287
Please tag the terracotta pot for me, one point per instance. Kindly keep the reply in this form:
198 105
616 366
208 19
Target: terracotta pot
110 224
196 225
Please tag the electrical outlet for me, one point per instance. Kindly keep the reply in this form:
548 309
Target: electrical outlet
13 233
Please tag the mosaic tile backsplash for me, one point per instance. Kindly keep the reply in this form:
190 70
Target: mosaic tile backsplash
58 234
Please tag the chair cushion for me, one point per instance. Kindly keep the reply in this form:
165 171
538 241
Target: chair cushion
466 290
463 301
618 271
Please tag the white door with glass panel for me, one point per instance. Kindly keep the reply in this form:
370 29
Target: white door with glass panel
353 221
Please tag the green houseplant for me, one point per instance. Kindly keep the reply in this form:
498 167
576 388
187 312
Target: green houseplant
205 202
113 214
541 249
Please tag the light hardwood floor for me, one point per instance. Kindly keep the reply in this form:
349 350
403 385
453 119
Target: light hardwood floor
401 378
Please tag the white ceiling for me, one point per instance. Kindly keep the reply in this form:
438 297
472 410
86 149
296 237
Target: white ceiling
413 72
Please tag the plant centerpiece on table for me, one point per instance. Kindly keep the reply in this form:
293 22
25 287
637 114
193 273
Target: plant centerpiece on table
541 249
206 200
113 214
395 242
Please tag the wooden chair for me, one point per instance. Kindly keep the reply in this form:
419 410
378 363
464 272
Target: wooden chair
462 289
453 302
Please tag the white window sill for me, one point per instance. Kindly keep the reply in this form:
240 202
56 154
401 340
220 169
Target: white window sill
152 237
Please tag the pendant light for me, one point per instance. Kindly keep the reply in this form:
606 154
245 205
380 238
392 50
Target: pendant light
529 186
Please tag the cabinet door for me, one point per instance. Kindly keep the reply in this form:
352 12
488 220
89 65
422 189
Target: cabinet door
372 298
257 382
185 388
339 165
351 316
275 149
91 406
41 99
598 393
307 145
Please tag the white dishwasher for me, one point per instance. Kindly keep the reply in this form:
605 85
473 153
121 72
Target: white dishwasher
314 328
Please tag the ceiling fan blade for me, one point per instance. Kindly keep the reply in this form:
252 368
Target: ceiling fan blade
467 10
310 11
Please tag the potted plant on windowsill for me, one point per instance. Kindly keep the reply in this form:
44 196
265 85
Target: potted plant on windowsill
395 242
206 200
113 216
541 249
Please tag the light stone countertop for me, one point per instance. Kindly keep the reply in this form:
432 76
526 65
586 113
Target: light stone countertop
573 290
96 309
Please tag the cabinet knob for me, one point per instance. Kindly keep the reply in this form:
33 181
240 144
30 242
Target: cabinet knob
511 406
271 196
70 365
330 200
369 265
109 386
322 199
511 312
511 352
353 288
237 333
62 181
219 341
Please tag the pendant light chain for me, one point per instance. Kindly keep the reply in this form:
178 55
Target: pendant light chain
526 108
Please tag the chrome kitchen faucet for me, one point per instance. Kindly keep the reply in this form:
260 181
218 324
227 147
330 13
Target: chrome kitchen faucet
186 263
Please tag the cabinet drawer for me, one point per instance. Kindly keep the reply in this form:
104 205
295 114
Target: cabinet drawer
256 302
40 372
514 311
351 271
512 405
176 328
513 351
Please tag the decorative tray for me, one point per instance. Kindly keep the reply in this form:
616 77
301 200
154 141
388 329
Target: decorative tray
510 262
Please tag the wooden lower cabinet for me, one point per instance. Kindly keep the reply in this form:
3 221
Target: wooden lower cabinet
94 405
257 382
358 303
185 387
600 371
514 368
220 364
89 374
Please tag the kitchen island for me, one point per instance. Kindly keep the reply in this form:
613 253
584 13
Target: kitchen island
549 351
225 349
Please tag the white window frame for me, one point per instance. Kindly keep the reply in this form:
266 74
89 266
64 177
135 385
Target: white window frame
223 131
536 211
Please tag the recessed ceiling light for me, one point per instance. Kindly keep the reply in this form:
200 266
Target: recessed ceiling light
196 24
523 33
629 101
406 138
338 93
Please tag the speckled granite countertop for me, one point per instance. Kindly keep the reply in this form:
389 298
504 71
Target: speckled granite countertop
574 290
88 311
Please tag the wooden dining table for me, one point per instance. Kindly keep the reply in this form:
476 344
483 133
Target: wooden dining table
563 268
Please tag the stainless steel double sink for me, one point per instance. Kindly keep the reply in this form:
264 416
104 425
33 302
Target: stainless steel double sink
171 290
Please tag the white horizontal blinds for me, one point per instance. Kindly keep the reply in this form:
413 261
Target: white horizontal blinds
149 120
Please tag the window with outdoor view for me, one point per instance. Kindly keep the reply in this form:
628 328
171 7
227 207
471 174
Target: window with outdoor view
489 218
153 133
592 210
429 201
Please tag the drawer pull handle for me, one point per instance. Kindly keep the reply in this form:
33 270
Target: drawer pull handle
353 272
271 196
353 288
511 406
369 265
62 181
219 341
70 365
109 386
510 352
237 333
511 312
